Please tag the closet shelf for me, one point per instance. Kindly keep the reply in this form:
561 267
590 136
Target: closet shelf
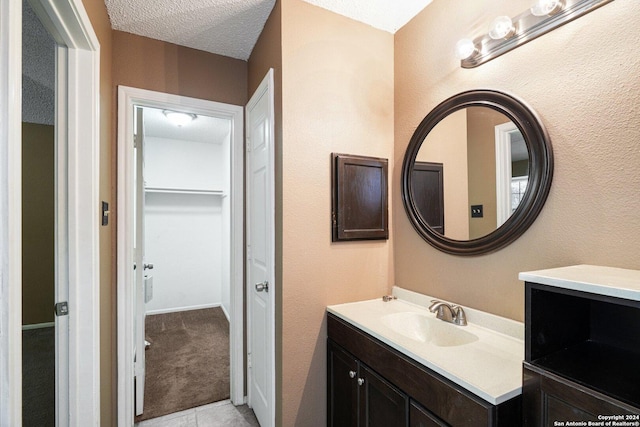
184 191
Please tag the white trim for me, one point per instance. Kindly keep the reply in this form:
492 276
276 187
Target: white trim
503 171
127 98
10 213
61 240
188 308
38 326
226 314
70 26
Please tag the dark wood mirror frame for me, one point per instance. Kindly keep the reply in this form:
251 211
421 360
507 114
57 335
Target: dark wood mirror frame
540 171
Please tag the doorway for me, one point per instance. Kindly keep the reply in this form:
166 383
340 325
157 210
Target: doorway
184 221
77 389
38 222
189 240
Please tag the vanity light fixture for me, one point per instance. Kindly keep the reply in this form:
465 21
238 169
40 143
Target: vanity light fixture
179 119
547 7
502 28
506 33
465 48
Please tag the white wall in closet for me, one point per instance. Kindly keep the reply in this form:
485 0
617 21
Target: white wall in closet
187 218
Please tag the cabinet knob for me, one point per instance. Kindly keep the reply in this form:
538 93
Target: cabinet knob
360 381
352 374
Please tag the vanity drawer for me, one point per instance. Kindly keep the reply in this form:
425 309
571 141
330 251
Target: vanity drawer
441 397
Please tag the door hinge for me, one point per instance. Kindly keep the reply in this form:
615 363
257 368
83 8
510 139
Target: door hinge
62 308
248 360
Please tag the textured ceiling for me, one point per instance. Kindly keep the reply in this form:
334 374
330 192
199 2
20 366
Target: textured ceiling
232 27
387 15
38 70
225 27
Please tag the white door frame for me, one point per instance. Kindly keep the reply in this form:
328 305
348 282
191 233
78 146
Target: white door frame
77 209
265 89
503 170
127 98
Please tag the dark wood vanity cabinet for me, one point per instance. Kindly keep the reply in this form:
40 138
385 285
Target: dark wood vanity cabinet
582 356
371 384
358 396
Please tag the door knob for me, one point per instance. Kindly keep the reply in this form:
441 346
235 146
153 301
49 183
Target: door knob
360 381
148 266
352 374
262 286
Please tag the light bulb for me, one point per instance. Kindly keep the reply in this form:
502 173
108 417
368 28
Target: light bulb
546 7
179 119
465 48
502 28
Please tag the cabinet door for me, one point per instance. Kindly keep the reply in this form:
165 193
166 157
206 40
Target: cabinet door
420 417
342 388
381 404
548 398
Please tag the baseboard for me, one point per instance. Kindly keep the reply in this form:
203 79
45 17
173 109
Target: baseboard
38 326
226 313
178 309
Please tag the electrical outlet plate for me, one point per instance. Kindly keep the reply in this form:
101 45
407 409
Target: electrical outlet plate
476 211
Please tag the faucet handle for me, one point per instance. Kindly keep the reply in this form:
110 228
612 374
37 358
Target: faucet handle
461 317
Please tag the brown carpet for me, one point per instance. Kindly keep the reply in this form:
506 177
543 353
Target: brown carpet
187 364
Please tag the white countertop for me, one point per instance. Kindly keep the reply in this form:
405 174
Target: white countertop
610 281
490 367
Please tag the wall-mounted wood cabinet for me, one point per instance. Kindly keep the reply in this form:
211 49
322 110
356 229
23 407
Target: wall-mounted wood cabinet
372 384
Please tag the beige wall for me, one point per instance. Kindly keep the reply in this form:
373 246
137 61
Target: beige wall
482 167
582 79
447 144
38 271
102 26
337 97
145 63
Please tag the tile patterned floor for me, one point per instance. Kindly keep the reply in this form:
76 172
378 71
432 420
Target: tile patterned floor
218 414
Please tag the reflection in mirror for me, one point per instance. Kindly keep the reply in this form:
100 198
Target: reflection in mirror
476 173
475 156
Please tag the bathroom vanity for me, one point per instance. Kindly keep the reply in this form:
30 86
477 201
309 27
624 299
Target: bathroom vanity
394 364
582 345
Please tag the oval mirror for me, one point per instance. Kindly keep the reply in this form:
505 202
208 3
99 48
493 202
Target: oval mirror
476 173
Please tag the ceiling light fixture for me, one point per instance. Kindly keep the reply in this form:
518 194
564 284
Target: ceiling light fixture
179 119
508 33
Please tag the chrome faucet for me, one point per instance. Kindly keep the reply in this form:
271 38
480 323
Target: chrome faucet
449 313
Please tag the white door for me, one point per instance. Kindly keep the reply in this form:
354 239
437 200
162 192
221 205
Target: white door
139 265
261 252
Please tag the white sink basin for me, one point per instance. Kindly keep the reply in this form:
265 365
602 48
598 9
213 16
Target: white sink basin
426 328
484 357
